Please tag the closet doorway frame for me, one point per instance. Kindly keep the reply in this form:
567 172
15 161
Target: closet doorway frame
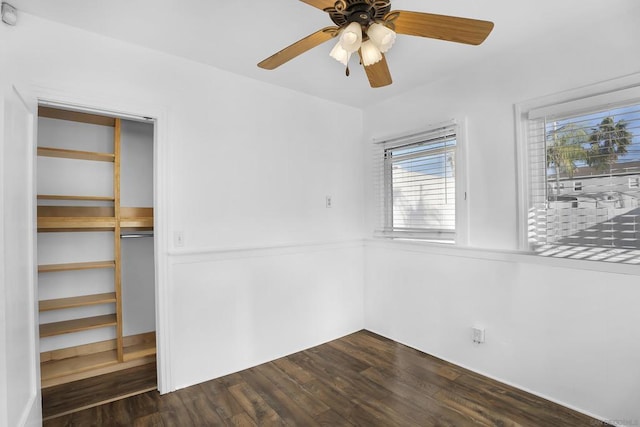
118 106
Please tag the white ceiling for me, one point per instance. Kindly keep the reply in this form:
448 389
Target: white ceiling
235 35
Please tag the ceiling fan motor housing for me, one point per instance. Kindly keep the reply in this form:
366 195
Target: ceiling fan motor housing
364 12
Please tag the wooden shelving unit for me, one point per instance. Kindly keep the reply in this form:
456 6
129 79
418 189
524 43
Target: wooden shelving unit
76 224
77 325
75 116
72 366
75 218
48 268
136 218
80 301
90 359
75 154
139 350
75 198
62 366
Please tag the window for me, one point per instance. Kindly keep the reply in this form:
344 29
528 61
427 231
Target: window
417 189
591 144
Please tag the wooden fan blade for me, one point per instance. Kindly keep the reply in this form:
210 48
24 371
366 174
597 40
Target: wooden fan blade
298 48
320 4
449 28
378 73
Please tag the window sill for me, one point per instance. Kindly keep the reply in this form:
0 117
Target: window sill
498 255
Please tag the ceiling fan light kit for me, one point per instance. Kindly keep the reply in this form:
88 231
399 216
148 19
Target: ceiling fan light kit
351 37
370 53
340 54
379 40
369 27
382 36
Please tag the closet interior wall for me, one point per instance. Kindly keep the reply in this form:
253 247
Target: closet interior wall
137 252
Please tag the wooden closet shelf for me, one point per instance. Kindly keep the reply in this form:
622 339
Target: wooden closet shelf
76 223
75 116
77 325
139 351
89 360
58 372
136 218
75 218
87 198
76 266
75 154
79 301
136 222
59 368
76 211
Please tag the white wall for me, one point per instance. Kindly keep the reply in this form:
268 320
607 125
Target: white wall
19 373
259 305
555 329
248 165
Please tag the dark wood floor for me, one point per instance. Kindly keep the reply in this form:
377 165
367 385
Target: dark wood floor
359 380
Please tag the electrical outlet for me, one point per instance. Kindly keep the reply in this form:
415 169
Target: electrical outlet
178 239
477 335
329 203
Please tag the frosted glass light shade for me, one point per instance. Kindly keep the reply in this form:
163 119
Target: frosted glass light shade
339 54
382 36
370 53
351 37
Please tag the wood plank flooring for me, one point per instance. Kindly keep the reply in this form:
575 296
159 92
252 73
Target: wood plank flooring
358 380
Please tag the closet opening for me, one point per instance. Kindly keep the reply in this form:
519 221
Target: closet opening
96 257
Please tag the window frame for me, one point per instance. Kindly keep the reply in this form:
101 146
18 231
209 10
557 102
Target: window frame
382 181
609 94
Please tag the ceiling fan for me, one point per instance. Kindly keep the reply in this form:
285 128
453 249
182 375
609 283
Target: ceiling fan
369 27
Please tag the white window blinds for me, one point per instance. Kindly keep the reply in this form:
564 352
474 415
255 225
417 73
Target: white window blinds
584 169
417 185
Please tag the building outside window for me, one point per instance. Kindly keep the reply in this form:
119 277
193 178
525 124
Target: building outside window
417 185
